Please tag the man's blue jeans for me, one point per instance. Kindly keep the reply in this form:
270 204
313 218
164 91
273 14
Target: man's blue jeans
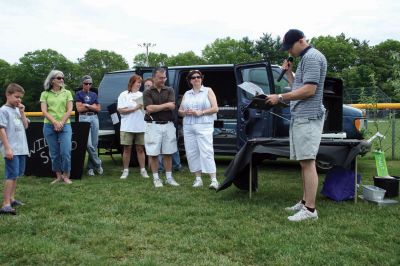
176 162
60 144
94 161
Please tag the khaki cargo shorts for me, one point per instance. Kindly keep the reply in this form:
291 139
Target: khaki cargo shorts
130 138
305 137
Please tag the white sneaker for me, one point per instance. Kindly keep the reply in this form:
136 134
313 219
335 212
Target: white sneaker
125 174
100 170
303 214
295 208
198 183
172 182
157 182
144 174
90 172
214 185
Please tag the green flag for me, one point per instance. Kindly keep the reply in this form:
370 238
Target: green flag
380 161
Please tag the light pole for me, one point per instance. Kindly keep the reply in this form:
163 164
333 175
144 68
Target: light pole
147 45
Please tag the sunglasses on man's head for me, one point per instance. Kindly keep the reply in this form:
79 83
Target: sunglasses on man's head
195 77
60 78
85 83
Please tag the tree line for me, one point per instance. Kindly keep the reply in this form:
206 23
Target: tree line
354 61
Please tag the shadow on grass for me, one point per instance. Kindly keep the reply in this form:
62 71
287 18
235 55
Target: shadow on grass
270 190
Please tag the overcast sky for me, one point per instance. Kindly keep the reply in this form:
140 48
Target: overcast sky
71 27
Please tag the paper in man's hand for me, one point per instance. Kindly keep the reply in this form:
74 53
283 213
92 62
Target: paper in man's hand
251 88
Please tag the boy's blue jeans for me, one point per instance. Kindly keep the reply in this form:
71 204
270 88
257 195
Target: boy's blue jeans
15 167
60 144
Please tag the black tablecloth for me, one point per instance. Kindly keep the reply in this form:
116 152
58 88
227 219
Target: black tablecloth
337 152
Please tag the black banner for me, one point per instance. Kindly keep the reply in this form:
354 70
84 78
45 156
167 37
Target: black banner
39 162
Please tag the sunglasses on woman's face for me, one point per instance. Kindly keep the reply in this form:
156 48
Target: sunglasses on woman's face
195 77
87 83
60 78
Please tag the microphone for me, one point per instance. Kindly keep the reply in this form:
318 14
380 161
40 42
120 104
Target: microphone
289 59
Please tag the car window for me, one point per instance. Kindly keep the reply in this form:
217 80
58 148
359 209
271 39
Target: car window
111 86
283 83
171 78
259 77
147 75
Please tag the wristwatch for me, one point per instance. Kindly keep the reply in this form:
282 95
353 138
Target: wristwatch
280 97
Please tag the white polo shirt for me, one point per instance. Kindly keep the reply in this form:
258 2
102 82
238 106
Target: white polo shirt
131 122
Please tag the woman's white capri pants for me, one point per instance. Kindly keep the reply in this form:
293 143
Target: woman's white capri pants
199 147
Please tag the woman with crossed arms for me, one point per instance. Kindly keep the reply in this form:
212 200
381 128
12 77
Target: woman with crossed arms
198 108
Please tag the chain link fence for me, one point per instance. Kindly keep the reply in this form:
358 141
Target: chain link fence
387 122
353 95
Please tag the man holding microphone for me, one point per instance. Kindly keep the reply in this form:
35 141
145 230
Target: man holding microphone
307 115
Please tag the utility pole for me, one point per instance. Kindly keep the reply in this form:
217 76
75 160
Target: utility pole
147 45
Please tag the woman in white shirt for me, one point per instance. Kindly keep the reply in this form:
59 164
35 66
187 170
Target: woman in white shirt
199 108
130 106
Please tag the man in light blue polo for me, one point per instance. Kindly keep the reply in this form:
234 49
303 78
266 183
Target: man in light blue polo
307 112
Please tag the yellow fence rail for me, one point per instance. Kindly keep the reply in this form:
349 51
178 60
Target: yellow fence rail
40 114
391 106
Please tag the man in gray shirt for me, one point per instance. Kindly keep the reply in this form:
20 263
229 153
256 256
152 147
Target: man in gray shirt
307 112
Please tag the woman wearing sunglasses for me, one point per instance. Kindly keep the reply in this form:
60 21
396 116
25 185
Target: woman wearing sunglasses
56 104
199 108
88 106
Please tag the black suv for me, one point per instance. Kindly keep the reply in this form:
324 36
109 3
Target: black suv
236 123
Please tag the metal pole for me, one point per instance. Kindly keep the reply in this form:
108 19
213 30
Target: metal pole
251 176
147 55
146 46
393 134
355 180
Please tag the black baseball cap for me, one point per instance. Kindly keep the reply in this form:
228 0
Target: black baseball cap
290 38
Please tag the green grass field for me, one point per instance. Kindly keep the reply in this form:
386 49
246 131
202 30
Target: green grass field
108 221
